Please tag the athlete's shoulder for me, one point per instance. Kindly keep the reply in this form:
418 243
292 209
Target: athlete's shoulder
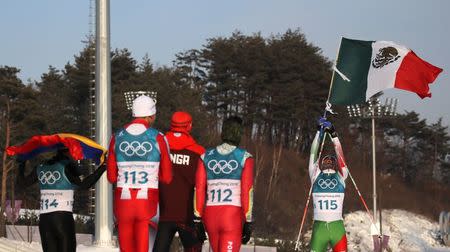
244 152
120 132
197 148
210 151
154 131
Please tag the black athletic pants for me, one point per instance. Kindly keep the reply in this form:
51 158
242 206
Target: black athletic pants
57 230
186 232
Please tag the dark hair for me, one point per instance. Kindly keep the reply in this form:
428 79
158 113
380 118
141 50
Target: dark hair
329 161
232 130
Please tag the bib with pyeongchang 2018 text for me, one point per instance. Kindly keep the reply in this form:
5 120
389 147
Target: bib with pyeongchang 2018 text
328 197
138 175
56 200
224 192
55 188
138 158
224 174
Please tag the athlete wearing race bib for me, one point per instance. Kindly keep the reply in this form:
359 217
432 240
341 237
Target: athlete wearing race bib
224 190
138 159
58 178
328 189
56 189
176 198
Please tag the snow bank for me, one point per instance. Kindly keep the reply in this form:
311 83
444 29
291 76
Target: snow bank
19 246
408 232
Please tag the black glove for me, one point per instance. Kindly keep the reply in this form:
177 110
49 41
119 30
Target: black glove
199 229
22 164
246 232
331 131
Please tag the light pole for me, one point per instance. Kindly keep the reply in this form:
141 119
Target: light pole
103 190
131 95
374 109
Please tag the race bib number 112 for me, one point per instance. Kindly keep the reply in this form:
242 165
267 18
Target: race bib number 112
224 192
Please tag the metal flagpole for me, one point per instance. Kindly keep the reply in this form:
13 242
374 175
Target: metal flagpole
327 103
103 195
374 167
374 181
334 66
375 109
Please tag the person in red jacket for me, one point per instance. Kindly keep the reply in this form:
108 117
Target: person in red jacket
176 198
224 190
138 160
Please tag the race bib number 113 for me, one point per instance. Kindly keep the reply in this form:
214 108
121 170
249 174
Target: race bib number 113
138 174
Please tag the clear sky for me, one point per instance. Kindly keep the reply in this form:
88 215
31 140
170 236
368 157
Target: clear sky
36 34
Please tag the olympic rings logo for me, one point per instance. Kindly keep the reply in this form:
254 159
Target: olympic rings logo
135 148
49 177
327 183
222 166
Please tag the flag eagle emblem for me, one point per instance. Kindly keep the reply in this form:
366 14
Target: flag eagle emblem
385 55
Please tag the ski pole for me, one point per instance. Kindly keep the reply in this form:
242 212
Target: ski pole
358 191
297 243
361 197
297 246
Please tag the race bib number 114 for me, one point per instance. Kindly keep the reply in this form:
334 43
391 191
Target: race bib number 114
56 200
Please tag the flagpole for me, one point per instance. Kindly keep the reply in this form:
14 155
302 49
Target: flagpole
103 190
327 103
335 64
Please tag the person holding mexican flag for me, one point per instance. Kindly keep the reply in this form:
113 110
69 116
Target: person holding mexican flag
328 175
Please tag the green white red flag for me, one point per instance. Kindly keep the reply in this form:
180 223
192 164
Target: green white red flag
365 68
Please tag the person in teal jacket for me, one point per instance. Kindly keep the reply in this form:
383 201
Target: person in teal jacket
58 178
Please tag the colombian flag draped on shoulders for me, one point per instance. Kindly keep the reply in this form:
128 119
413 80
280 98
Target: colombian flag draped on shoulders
80 147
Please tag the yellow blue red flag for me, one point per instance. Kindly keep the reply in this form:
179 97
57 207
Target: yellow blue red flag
80 147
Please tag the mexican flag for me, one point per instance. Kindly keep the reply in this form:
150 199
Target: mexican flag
364 68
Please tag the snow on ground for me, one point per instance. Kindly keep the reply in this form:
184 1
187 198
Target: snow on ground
82 248
408 233
19 246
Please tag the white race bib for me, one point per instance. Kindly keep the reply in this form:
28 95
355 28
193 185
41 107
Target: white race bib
328 206
140 175
224 192
56 200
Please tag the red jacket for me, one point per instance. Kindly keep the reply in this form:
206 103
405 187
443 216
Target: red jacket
176 198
